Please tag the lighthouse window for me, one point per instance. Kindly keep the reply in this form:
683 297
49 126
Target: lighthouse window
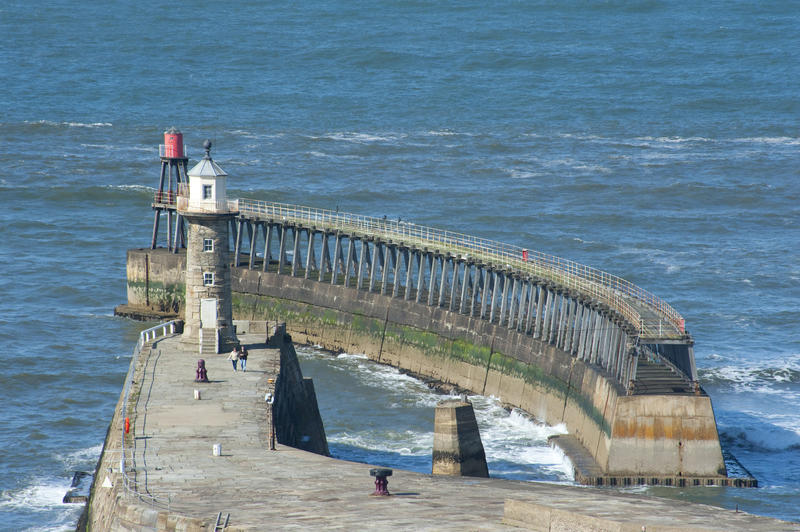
206 191
208 244
208 278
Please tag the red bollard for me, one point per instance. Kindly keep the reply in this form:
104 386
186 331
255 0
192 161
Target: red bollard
381 484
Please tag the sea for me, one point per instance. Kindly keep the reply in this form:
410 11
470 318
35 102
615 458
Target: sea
658 141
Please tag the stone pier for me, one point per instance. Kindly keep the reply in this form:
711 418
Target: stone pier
177 483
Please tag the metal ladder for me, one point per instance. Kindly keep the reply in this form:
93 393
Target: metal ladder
219 526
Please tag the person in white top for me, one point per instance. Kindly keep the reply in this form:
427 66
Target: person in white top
234 357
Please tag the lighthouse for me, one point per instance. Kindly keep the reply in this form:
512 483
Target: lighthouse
173 176
208 320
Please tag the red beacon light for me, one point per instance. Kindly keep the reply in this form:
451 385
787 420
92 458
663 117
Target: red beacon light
173 144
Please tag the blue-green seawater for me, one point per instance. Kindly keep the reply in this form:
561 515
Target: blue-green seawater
654 140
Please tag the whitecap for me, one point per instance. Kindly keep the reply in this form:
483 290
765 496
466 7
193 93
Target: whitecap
442 133
523 174
361 138
787 141
71 124
408 443
138 188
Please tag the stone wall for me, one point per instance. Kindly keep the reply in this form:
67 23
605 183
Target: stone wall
632 435
156 279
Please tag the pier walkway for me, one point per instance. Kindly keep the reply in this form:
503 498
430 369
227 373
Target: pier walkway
598 317
181 482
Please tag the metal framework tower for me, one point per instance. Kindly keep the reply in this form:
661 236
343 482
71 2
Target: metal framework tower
173 176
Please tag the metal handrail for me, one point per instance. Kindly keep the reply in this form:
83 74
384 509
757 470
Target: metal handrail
607 288
145 337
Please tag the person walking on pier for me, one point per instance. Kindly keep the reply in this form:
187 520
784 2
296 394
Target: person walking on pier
243 358
234 357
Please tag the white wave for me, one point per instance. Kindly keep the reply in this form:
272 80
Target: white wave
71 124
442 133
41 494
351 356
361 138
110 147
776 432
242 133
579 137
787 141
337 156
43 497
594 168
138 188
407 443
81 458
675 140
523 174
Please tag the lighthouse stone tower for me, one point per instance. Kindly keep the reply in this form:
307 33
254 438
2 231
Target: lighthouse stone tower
207 211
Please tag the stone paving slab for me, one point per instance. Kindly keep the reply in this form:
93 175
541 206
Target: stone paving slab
289 489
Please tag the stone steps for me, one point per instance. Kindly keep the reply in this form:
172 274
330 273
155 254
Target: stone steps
656 379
